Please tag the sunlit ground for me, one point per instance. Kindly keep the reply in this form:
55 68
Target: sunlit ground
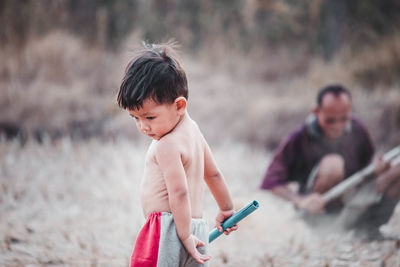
77 204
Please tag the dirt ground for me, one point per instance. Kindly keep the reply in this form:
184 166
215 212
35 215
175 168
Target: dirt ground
77 204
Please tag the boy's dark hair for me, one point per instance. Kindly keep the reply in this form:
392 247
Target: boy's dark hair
154 73
335 89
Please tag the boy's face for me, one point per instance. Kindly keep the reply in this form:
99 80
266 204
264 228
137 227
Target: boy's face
333 114
156 120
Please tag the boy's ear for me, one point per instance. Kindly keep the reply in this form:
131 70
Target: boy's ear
180 103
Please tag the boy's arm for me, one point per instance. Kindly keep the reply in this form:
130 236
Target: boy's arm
217 185
169 159
216 182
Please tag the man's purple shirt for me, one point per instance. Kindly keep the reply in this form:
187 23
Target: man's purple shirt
297 155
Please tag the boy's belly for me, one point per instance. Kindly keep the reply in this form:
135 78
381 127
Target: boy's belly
154 201
159 202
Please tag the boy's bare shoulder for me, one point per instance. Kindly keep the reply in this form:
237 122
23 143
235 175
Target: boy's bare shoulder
168 144
181 139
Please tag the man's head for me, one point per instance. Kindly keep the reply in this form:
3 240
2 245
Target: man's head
154 90
333 110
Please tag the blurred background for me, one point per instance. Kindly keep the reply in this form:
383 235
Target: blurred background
71 160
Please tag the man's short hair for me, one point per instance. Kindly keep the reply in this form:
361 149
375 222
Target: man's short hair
154 73
335 89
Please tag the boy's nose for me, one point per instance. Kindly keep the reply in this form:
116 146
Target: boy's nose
144 127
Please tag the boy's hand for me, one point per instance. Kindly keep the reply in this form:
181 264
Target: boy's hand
221 217
191 243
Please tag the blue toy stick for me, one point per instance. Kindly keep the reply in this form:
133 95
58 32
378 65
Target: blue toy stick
233 220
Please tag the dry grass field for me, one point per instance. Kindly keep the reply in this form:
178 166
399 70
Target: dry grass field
73 199
76 204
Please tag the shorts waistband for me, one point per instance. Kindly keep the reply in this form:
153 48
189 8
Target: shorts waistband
166 213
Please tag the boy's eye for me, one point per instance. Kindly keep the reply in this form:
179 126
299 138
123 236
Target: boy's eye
150 118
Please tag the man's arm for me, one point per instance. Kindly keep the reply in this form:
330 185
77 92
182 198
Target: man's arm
312 203
277 173
169 159
284 192
276 177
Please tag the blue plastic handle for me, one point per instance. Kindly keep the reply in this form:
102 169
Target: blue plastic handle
233 220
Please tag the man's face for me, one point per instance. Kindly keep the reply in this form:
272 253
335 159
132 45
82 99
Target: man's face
156 120
333 114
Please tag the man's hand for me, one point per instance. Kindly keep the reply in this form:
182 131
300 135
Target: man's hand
313 203
389 182
380 165
221 217
191 243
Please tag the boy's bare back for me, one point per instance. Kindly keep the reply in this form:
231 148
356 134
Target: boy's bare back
187 140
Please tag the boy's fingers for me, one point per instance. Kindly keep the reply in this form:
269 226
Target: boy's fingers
200 258
199 261
200 244
196 256
204 257
231 229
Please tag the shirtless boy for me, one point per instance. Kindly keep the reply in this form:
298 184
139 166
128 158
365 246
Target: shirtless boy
154 91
